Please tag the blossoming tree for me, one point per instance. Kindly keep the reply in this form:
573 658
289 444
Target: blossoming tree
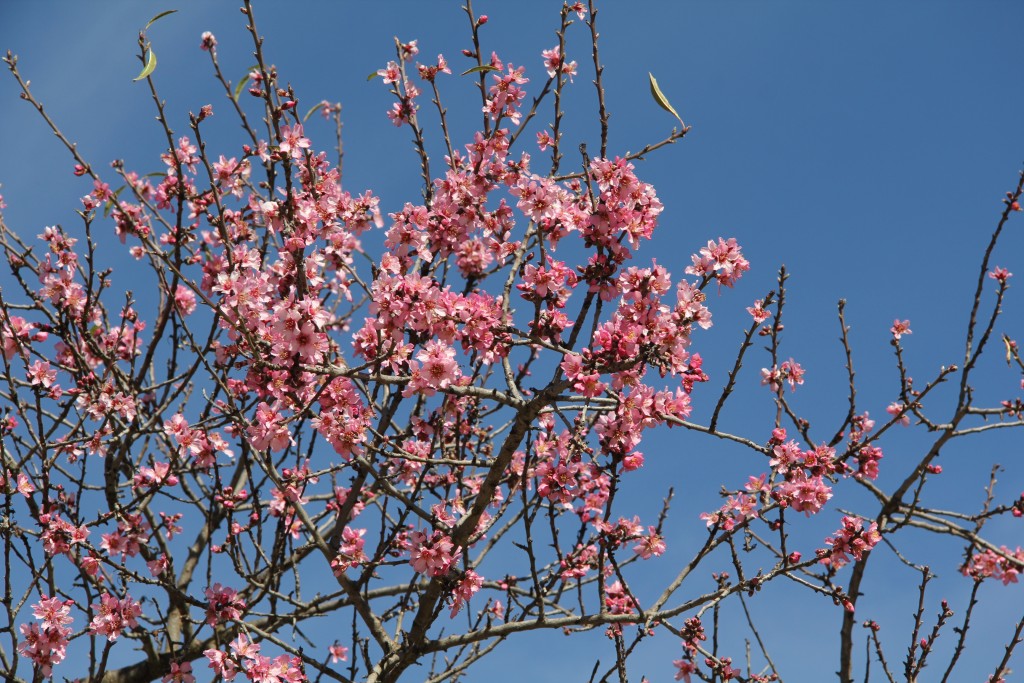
428 448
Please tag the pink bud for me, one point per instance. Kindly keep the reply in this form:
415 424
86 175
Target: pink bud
482 20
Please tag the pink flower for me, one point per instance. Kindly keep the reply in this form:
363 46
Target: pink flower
222 664
438 369
651 545
758 312
158 566
48 646
293 141
53 612
851 540
181 672
684 669
790 371
1000 275
209 41
114 615
805 494
793 373
339 653
25 485
224 605
900 328
184 300
465 589
1005 567
897 408
723 260
432 555
351 553
544 139
552 60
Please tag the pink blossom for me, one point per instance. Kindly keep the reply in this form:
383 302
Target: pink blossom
113 615
684 669
351 552
617 600
465 589
1000 274
181 672
47 646
53 612
224 605
25 486
433 555
158 566
651 545
900 328
293 142
339 653
805 494
437 369
184 300
222 664
851 540
1004 566
758 312
898 409
792 372
723 261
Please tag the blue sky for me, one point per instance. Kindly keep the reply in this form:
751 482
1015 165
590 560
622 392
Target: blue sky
866 146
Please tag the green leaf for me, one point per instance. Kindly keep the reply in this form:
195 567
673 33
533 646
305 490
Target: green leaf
372 76
483 68
662 101
245 79
157 17
150 65
311 111
112 202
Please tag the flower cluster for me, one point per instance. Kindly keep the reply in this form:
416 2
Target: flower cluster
245 657
114 615
851 540
1003 566
223 605
46 643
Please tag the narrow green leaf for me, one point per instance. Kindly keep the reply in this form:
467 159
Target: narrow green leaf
150 65
662 101
311 111
112 202
372 76
483 68
241 84
159 16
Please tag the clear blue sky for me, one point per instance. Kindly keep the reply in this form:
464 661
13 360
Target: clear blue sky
864 145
